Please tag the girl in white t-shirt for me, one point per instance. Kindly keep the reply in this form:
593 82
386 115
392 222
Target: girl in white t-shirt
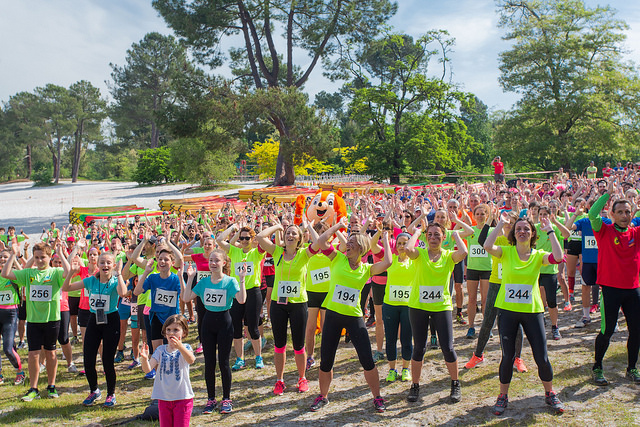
172 386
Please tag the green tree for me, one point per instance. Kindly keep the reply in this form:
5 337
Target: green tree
579 97
409 121
318 27
476 117
89 112
153 166
144 86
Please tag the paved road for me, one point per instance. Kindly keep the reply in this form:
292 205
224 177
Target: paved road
32 208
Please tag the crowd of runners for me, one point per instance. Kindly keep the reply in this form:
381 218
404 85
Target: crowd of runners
398 263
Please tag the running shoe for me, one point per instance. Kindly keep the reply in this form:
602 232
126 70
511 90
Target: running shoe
303 385
518 363
379 404
414 393
259 362
378 356
21 345
279 388
199 349
406 375
263 342
20 377
571 297
371 321
456 392
598 377
460 319
318 403
91 399
192 321
551 399
119 356
42 368
311 362
131 356
633 375
593 308
52 393
72 368
210 406
501 404
31 394
238 365
151 375
471 333
110 401
556 333
247 346
474 361
582 322
134 364
226 406
73 341
567 306
434 342
392 376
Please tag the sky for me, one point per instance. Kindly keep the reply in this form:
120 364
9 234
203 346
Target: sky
64 41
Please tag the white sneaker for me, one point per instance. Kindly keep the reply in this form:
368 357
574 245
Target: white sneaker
583 322
72 368
42 368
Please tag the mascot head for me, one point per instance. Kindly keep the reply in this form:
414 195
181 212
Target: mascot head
326 206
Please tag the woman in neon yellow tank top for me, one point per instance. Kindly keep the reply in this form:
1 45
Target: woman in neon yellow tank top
519 301
430 299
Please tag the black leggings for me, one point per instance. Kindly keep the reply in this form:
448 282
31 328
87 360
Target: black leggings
293 313
533 326
63 333
420 330
395 316
217 330
109 334
249 312
489 318
611 300
331 331
201 310
8 326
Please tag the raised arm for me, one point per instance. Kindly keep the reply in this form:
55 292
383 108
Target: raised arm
461 252
140 285
221 240
264 240
187 293
382 265
490 243
556 249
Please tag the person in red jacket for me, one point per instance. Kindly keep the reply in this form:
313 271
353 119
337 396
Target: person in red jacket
498 169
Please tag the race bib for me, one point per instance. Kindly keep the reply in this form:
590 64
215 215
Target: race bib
590 242
202 274
238 267
431 294
477 251
320 275
134 310
399 293
166 298
288 289
99 301
346 296
40 293
422 245
575 235
500 271
519 294
215 297
125 301
6 297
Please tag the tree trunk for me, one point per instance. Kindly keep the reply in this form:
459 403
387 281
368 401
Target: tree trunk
154 135
284 171
29 165
77 151
56 163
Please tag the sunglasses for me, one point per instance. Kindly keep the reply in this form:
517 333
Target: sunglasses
387 228
244 238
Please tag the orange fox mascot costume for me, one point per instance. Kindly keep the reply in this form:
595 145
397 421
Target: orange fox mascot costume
325 206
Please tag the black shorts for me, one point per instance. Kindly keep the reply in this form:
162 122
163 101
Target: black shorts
156 328
83 317
42 335
458 272
269 280
316 299
574 247
141 323
550 284
378 293
22 311
477 274
74 305
590 273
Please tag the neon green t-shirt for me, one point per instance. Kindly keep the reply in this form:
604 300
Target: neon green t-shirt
496 265
544 244
8 293
43 292
520 291
143 298
290 277
346 285
430 288
400 277
318 273
478 258
252 260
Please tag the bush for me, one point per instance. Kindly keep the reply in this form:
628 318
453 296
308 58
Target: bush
153 166
42 175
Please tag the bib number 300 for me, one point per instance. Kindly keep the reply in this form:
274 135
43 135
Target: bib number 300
519 294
